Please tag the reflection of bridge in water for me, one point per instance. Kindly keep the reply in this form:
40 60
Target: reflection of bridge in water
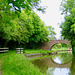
50 63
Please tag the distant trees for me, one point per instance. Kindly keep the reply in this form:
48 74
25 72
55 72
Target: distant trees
51 32
60 46
68 26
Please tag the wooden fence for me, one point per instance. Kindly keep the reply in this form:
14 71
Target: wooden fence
4 50
20 50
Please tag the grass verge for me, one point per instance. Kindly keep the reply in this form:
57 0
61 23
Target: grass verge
17 64
56 49
32 51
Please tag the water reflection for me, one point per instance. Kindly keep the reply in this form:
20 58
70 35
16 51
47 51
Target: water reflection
61 64
72 68
58 71
57 60
62 58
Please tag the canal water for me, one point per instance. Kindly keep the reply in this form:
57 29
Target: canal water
58 64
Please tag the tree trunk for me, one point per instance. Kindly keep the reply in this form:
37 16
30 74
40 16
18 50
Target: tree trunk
73 46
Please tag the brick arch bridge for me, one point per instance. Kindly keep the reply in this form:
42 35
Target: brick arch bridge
51 43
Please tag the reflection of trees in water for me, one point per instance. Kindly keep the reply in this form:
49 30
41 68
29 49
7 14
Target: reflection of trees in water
41 64
64 58
50 71
72 68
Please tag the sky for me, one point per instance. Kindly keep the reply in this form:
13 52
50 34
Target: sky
53 15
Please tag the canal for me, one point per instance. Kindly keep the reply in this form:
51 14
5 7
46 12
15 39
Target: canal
57 64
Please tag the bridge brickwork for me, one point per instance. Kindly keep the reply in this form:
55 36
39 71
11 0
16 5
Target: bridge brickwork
51 43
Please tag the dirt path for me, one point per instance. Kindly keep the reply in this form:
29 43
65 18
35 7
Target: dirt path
0 68
0 65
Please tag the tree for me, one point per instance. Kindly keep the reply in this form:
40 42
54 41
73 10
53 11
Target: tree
66 6
68 26
18 5
40 34
51 32
21 27
28 29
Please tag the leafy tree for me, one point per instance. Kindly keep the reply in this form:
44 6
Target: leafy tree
18 5
66 6
40 32
51 32
28 29
68 26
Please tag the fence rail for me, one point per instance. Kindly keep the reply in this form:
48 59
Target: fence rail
20 50
4 50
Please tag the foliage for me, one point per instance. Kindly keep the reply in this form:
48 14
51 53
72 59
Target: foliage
60 46
68 26
51 32
18 5
26 29
66 6
40 32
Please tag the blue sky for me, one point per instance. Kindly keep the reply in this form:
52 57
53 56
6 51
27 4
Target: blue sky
53 15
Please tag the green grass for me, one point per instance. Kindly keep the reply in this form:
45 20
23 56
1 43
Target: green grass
41 57
1 55
56 49
31 51
17 64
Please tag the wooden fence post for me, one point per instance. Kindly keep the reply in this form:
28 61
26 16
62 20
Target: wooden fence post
20 50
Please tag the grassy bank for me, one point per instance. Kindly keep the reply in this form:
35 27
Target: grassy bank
56 49
31 51
17 64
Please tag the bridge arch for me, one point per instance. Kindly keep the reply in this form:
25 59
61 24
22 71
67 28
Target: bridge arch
51 43
58 43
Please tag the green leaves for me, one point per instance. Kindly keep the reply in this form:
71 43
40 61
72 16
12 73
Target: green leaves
68 26
18 5
73 28
66 6
25 29
51 32
24 26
